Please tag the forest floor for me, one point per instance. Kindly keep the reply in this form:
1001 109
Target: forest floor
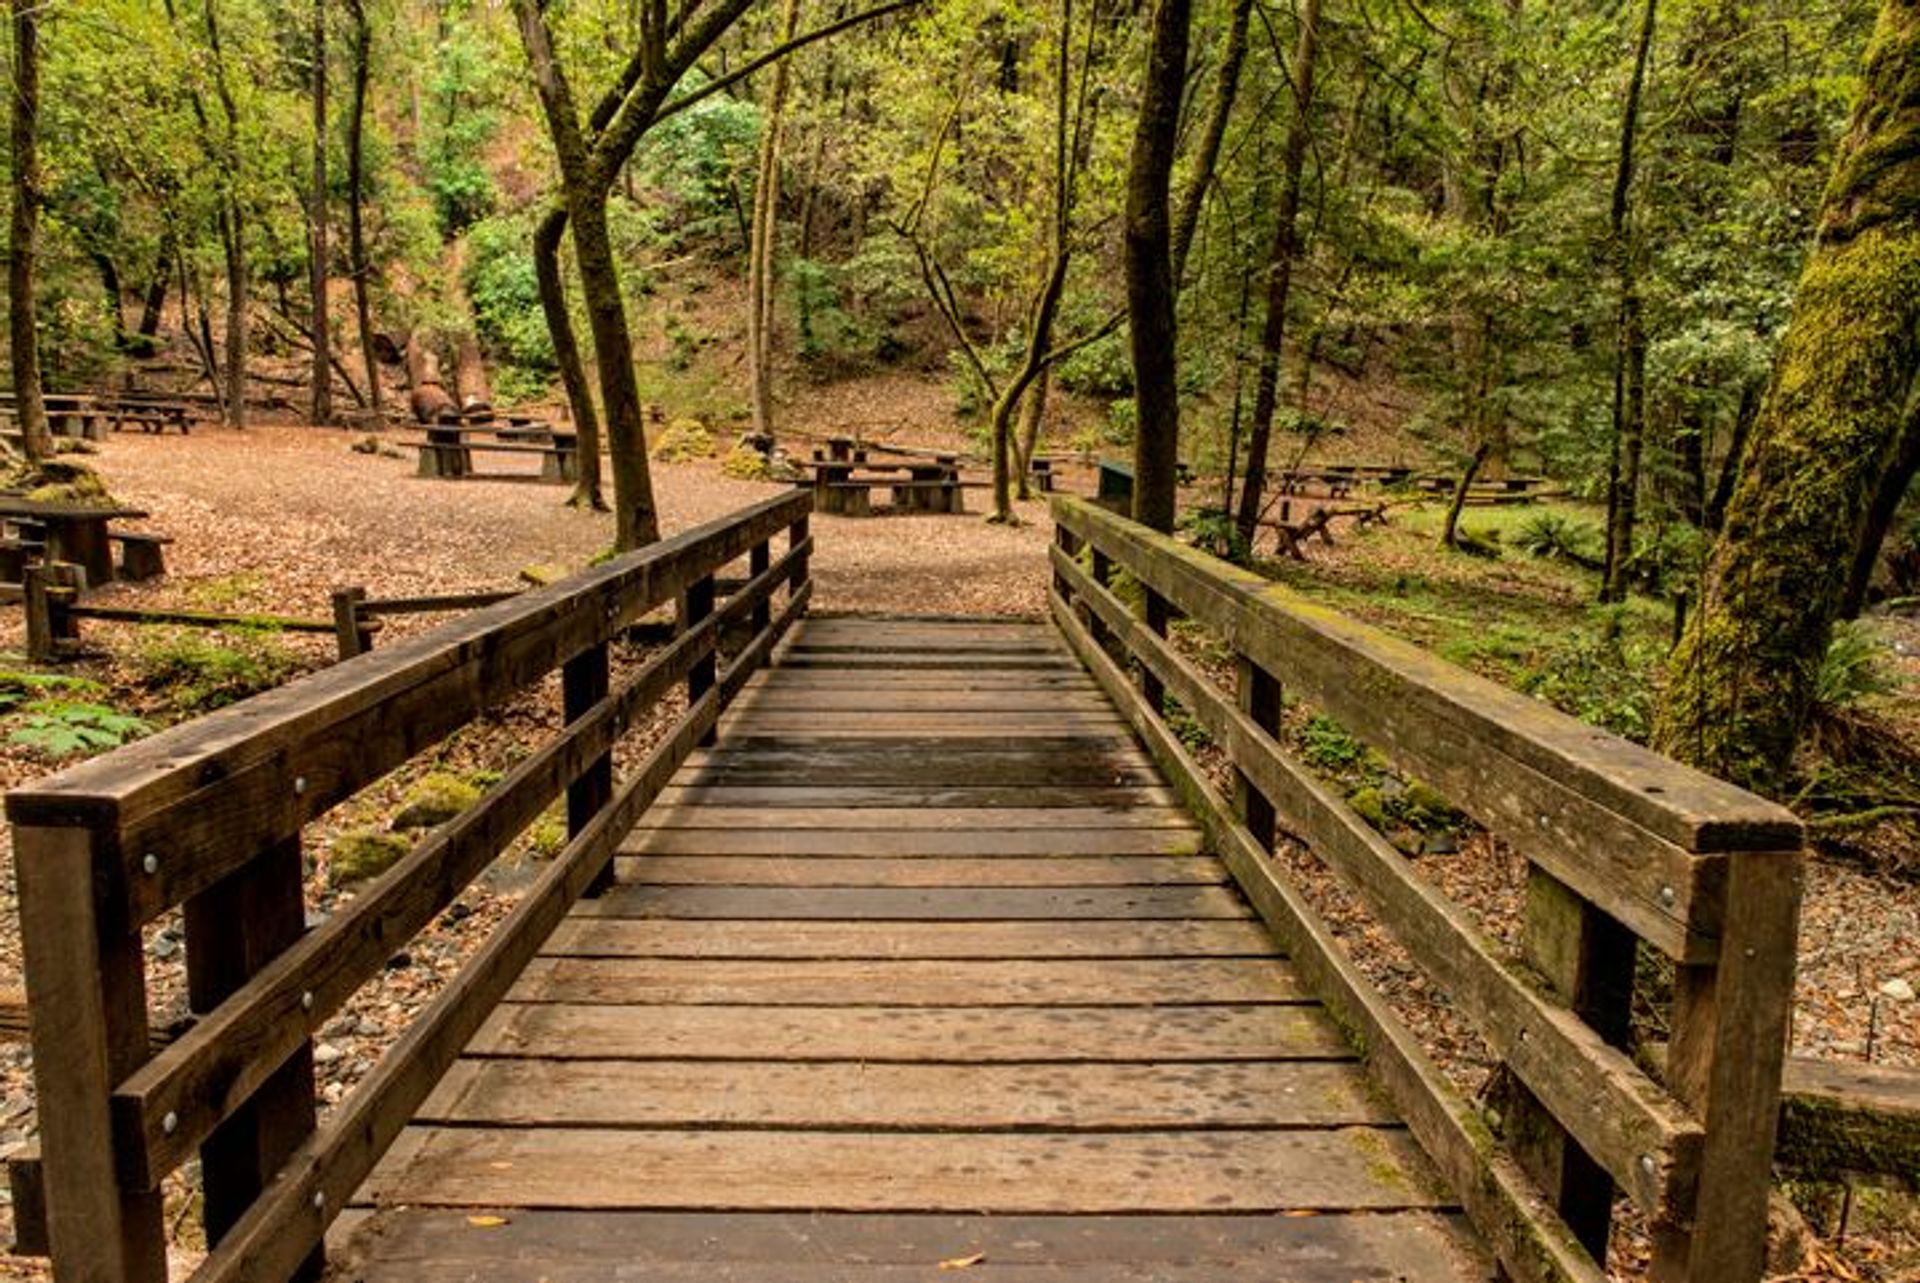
272 520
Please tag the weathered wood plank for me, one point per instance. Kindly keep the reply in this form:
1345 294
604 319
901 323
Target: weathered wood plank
777 797
1631 1124
1531 1242
921 844
668 938
896 982
1001 871
943 1097
206 796
910 1035
1271 1171
427 1245
844 904
938 699
1648 883
908 819
921 662
1359 673
1850 1119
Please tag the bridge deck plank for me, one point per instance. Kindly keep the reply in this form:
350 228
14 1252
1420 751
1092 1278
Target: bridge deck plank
920 961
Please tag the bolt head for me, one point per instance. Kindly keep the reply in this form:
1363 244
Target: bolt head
1668 896
299 785
150 863
319 1198
306 1001
171 1123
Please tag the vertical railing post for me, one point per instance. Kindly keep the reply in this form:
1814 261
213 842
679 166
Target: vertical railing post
1259 696
86 989
695 607
584 682
1156 612
1102 575
234 928
1587 960
1069 545
350 635
797 535
758 562
1730 1022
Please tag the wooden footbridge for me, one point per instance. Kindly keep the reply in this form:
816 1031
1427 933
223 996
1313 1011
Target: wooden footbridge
906 947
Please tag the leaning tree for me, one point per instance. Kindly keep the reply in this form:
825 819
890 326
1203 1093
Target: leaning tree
1830 440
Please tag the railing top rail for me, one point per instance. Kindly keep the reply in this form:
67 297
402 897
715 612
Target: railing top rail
521 638
1684 806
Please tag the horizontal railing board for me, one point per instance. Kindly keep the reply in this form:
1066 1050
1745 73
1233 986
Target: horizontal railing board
1266 620
1630 1123
203 798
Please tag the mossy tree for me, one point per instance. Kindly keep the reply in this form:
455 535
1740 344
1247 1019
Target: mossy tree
592 152
20 244
1826 443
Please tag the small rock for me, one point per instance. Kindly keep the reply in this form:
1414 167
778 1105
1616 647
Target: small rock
1442 843
366 1028
338 1028
1897 989
164 946
400 961
326 1053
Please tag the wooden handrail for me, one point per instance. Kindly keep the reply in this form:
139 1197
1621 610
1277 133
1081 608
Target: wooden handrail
1614 835
209 816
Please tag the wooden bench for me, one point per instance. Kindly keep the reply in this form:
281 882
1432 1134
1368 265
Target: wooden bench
1040 472
931 485
142 554
447 453
149 415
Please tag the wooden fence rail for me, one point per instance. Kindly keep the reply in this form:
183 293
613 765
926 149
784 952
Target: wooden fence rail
1625 850
208 818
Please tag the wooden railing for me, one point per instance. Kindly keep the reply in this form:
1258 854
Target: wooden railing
208 817
1625 849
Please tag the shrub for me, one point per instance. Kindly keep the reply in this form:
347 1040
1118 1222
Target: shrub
1326 745
1556 535
437 798
58 728
360 854
683 440
1851 670
198 672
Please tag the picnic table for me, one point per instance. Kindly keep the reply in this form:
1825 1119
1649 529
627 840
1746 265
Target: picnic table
844 485
73 532
89 416
448 450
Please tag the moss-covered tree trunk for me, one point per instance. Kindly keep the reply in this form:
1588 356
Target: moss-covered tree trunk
1828 434
764 241
566 354
636 518
30 409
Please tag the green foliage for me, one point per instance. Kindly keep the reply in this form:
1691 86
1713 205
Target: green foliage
1187 728
1602 674
703 160
1557 535
683 440
434 799
57 728
360 854
505 292
19 687
1214 530
1852 670
830 337
457 172
198 671
1326 746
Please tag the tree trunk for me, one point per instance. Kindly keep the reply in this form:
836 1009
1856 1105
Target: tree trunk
1226 88
320 329
154 301
1630 342
1630 433
1828 434
232 244
636 520
361 270
1716 514
1153 327
30 409
1891 493
1286 247
1033 413
1450 529
566 352
763 240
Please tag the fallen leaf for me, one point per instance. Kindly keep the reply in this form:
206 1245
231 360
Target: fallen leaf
486 1222
963 1262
